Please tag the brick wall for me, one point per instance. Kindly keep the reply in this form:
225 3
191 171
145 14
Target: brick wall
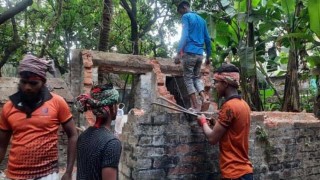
170 146
166 146
292 149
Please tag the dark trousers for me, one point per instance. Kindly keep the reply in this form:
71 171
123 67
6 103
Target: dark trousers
244 177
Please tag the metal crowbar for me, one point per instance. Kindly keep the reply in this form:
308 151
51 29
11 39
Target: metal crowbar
178 107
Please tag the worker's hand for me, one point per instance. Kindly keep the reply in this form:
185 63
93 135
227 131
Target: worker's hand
202 120
211 121
67 176
208 60
213 118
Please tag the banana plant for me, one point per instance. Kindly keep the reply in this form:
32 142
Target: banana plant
232 28
314 61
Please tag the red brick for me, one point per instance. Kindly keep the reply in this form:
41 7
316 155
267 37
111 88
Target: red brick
87 81
183 149
197 147
162 90
87 74
180 170
192 159
160 79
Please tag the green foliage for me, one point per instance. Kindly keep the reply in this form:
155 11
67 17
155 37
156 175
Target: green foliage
314 61
276 26
262 137
265 96
267 93
288 6
314 15
222 37
248 62
306 99
261 134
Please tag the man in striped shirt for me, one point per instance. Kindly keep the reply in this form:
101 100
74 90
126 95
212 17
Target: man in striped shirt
98 150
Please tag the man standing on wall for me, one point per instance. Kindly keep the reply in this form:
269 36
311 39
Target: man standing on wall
232 127
98 149
32 117
190 51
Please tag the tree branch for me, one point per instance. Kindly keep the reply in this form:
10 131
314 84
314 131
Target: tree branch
126 6
147 27
51 29
15 10
12 47
56 63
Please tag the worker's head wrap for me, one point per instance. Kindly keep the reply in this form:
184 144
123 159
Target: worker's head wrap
99 100
231 78
38 66
228 73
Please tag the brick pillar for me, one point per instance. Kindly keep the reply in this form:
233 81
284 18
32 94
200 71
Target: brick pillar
76 66
88 82
81 82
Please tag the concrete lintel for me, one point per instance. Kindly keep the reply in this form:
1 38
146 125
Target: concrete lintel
136 64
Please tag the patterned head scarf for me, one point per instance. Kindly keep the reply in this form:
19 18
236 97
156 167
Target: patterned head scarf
232 78
100 97
36 65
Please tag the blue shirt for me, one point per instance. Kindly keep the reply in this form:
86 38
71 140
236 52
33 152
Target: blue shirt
194 35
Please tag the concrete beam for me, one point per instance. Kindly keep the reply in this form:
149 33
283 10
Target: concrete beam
135 64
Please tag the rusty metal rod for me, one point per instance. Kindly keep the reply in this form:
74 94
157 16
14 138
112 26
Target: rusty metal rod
179 110
182 108
170 102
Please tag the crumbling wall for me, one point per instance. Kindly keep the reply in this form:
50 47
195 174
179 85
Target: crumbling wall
171 146
161 144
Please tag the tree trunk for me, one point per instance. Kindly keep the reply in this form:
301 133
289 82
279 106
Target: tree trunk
134 38
132 13
249 73
134 29
51 29
68 35
254 89
291 99
106 22
13 46
15 10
